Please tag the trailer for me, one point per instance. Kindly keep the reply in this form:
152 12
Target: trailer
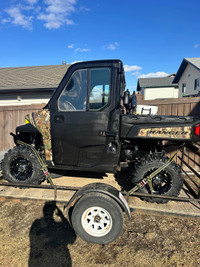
96 209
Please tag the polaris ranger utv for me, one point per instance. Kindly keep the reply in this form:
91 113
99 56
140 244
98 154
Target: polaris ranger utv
90 124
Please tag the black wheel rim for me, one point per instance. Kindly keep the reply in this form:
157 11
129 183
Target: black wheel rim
21 169
161 183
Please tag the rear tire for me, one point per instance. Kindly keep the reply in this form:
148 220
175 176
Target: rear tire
20 165
97 218
167 183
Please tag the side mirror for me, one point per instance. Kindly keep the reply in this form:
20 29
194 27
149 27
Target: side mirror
134 101
127 98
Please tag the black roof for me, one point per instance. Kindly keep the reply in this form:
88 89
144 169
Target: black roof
156 82
195 62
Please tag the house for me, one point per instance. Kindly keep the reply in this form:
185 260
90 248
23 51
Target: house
29 85
155 88
188 77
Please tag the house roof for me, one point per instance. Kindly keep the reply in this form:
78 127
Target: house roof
195 62
156 82
32 77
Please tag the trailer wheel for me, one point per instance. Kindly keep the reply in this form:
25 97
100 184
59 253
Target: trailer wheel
21 166
97 218
168 182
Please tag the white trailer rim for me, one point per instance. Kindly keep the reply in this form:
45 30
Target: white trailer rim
96 221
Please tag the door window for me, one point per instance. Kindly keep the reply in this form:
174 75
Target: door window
99 88
73 97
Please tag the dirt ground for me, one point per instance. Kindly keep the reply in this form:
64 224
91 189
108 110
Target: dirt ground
38 234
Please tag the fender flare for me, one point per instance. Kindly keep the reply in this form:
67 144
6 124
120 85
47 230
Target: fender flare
102 188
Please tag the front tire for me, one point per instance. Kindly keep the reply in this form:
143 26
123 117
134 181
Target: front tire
167 183
20 165
97 218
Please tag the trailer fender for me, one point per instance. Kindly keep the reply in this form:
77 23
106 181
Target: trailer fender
102 188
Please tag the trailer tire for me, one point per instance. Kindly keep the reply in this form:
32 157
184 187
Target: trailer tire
167 183
97 218
20 165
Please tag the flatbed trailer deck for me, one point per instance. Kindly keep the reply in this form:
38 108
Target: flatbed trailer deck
184 205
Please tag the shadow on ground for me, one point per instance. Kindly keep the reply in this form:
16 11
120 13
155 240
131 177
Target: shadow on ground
124 180
84 174
49 238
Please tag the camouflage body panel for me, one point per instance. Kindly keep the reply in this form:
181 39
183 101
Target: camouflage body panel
41 121
167 132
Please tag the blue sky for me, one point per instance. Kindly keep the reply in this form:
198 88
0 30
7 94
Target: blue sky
150 37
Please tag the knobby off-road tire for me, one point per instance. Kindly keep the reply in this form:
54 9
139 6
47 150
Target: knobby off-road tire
21 166
167 183
97 218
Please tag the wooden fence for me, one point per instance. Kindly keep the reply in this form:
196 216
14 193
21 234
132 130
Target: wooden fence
10 117
188 106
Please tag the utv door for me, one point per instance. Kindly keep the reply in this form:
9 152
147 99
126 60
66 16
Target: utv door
82 118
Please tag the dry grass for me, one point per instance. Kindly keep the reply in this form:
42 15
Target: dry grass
27 238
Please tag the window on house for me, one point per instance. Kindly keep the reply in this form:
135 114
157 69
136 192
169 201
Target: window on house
183 87
196 83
